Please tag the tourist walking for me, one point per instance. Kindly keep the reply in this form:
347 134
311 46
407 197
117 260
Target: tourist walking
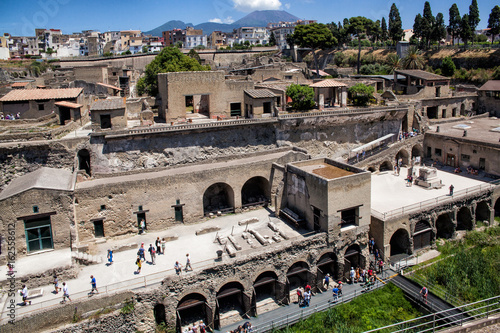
65 293
307 297
152 253
326 284
178 268
141 253
424 292
93 283
340 288
158 245
352 274
110 257
24 294
451 189
138 262
300 295
56 284
335 294
188 263
371 245
143 226
163 242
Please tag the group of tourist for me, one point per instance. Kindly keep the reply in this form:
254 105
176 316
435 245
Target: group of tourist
158 248
406 135
246 327
197 328
304 296
10 116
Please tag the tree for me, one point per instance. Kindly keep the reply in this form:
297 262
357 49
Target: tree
179 45
194 55
302 96
272 39
170 59
359 26
494 23
427 24
374 31
395 25
361 94
417 28
316 36
466 32
383 35
413 59
289 40
448 67
439 31
473 16
394 62
455 20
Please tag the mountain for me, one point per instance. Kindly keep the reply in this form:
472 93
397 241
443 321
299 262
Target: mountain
170 25
258 18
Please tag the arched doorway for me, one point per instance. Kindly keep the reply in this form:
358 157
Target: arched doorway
230 298
298 275
402 156
417 151
444 226
193 308
464 219
372 169
352 258
422 235
266 288
256 191
385 166
218 197
327 264
84 160
159 313
482 212
400 242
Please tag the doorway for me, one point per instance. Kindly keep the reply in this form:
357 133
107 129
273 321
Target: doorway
98 229
450 160
267 107
141 216
64 114
105 121
317 214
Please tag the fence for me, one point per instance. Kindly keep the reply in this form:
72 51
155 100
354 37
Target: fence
433 202
443 319
134 283
303 313
342 111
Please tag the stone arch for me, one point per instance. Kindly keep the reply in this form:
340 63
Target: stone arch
159 313
218 197
417 150
327 264
298 275
266 286
352 258
230 297
83 156
372 169
444 226
385 166
403 156
482 211
192 308
255 191
400 242
422 235
464 219
497 208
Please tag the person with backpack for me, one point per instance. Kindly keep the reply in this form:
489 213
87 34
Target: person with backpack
141 253
326 284
152 253
300 295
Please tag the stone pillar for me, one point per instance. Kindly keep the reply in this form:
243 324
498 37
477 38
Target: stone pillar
321 102
343 97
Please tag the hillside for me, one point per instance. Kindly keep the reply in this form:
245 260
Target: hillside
258 18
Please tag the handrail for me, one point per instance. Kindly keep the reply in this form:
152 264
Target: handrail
489 306
144 281
344 110
427 204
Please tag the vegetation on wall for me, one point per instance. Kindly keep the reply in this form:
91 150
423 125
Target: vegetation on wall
361 94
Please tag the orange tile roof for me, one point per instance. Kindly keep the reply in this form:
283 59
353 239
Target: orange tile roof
41 94
19 84
67 104
328 83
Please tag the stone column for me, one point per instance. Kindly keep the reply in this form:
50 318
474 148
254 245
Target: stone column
343 97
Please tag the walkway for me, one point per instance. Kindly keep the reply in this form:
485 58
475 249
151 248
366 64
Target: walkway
289 314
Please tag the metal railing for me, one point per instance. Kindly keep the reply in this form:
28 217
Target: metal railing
443 319
427 204
304 313
344 110
136 283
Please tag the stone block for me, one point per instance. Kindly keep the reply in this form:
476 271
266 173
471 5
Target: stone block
206 230
234 242
248 221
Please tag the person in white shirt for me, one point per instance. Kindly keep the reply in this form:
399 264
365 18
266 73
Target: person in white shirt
65 293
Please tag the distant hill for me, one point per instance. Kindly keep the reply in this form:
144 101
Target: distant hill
258 18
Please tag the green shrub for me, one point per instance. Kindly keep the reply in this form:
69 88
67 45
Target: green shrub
128 307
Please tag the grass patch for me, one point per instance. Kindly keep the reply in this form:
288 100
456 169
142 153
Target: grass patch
128 307
378 308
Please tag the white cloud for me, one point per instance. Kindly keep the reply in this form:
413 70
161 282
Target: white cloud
287 6
227 20
251 5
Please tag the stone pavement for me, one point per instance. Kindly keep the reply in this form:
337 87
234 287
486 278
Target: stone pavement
80 132
121 274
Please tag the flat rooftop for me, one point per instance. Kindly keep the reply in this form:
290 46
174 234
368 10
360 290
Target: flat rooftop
325 170
479 129
389 192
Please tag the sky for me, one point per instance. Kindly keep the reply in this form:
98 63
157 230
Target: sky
21 17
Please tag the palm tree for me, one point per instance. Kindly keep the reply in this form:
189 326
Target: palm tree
394 61
414 59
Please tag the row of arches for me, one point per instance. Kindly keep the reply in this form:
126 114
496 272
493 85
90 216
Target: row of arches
423 233
220 196
402 155
233 296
